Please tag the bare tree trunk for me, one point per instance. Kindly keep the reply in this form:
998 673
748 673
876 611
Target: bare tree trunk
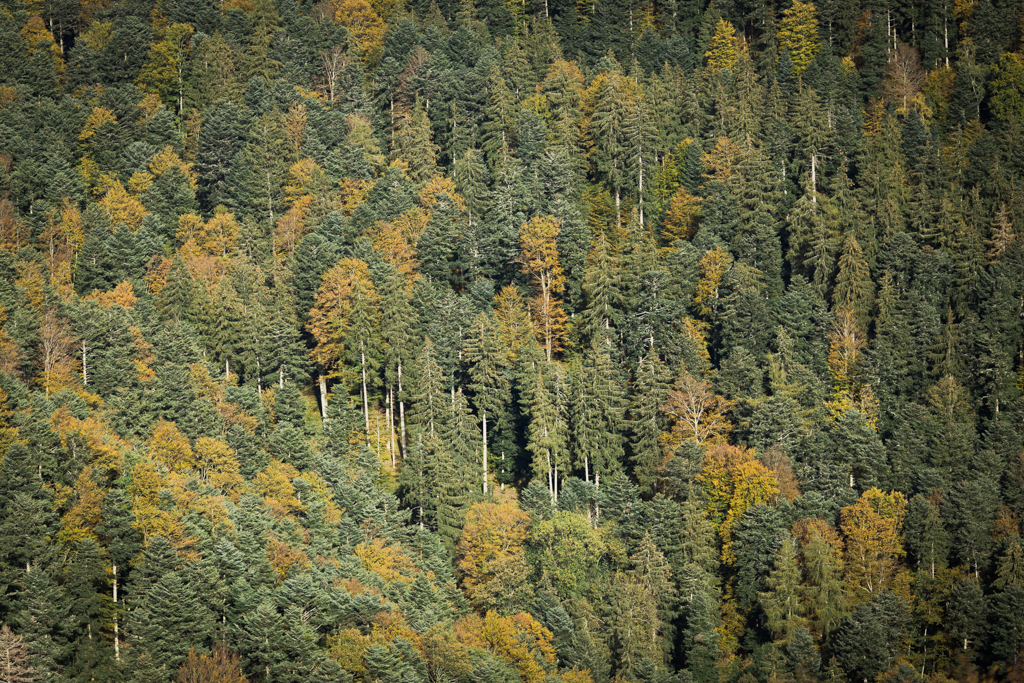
117 638
366 398
401 411
85 374
483 421
323 398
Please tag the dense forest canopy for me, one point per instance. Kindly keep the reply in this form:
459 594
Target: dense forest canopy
487 342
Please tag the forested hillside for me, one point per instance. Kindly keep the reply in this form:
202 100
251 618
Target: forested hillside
487 342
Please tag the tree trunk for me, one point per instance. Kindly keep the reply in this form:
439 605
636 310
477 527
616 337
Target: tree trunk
117 641
366 398
483 421
401 411
85 374
323 398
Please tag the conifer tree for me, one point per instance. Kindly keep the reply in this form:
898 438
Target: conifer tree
649 393
488 379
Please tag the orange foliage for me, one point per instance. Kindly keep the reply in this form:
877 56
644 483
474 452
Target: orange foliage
220 666
284 557
123 295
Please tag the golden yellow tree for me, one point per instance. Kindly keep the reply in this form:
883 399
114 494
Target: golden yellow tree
539 258
713 267
723 51
696 413
491 553
681 217
798 34
514 326
873 527
329 319
364 25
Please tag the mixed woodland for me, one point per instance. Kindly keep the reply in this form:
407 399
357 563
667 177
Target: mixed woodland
497 341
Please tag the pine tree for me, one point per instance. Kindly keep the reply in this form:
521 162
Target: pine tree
398 327
413 143
429 393
546 435
601 293
489 380
781 602
649 393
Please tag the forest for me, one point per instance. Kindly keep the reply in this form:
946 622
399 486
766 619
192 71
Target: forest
511 341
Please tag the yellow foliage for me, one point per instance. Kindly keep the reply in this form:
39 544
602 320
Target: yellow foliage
390 624
723 51
143 356
696 414
217 463
86 514
440 191
681 217
798 33
873 527
99 116
166 159
97 35
389 241
275 485
520 640
220 234
713 267
386 561
38 37
754 484
492 537
353 193
125 211
348 647
291 227
538 253
364 25
171 447
515 329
